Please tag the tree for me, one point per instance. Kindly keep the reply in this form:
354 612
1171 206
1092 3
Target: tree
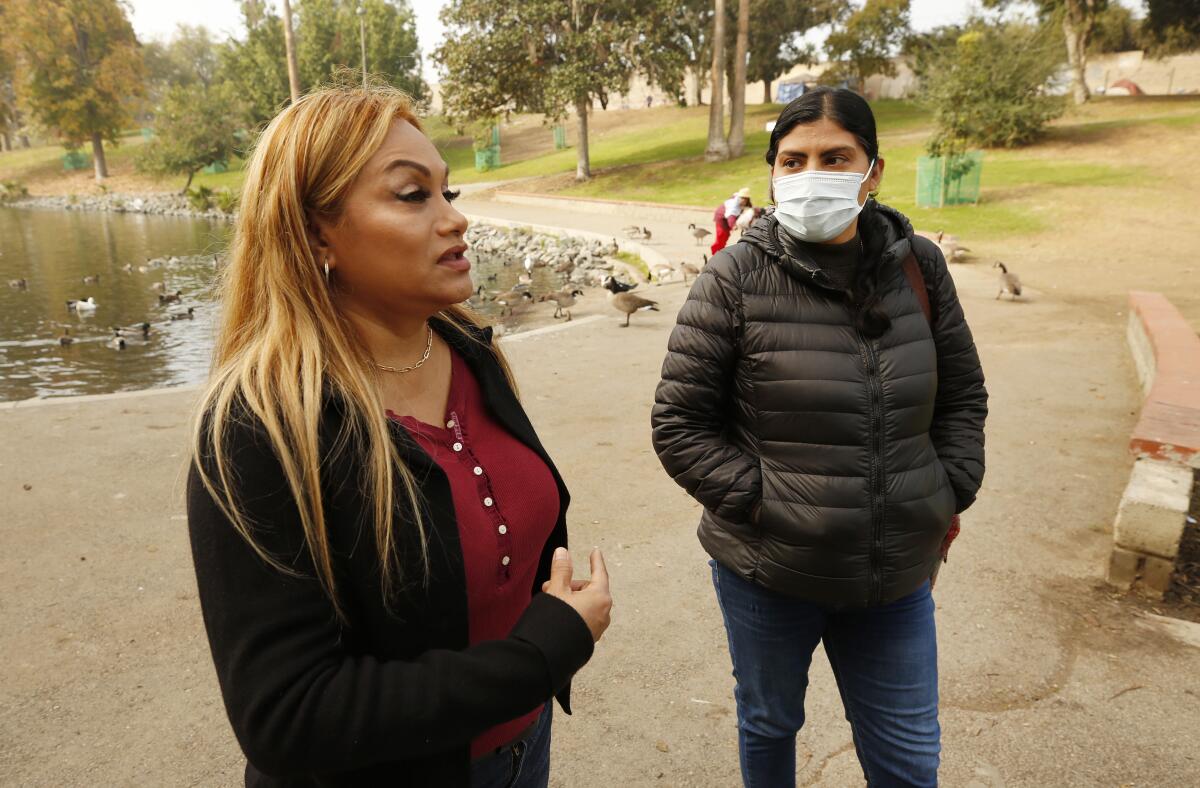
737 113
328 33
196 126
190 57
289 48
8 95
986 85
1171 26
1116 31
693 27
1078 21
257 65
779 27
543 56
717 148
79 66
867 42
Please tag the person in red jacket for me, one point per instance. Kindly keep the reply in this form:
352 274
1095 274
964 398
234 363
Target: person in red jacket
726 216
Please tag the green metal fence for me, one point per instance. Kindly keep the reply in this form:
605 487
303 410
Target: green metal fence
487 159
76 160
945 181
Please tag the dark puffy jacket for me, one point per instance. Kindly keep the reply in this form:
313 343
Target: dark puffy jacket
859 451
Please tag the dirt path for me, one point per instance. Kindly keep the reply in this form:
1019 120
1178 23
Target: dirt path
1046 678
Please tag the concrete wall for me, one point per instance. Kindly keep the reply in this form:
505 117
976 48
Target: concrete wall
1172 75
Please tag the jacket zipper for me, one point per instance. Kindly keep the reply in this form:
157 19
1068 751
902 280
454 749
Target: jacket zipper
875 393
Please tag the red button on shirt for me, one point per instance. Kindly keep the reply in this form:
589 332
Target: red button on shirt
506 503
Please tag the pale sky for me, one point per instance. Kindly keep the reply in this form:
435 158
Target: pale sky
158 18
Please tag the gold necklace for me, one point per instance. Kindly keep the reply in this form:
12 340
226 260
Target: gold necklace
424 358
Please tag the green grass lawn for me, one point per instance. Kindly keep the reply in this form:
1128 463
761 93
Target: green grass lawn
1019 187
657 156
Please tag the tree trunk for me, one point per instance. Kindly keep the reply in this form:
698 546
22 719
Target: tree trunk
697 88
7 142
98 157
188 185
737 114
25 141
718 148
1079 18
289 42
583 164
766 91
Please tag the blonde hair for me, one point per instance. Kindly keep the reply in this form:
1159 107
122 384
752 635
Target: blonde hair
283 346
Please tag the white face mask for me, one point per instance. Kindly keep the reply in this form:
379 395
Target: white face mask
818 206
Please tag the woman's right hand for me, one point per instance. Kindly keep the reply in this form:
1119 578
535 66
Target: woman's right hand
589 598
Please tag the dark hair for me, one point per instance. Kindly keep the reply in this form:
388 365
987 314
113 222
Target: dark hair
852 112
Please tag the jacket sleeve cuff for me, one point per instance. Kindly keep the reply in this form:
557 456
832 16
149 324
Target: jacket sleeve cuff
555 629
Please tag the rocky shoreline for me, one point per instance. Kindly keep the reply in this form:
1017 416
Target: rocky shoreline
152 204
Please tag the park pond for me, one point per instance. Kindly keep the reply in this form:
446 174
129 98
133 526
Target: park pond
129 261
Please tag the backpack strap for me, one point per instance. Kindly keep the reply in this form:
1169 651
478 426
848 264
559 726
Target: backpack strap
912 272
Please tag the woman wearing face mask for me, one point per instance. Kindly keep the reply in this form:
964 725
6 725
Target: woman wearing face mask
832 427
378 535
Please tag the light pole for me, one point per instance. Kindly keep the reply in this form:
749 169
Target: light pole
362 38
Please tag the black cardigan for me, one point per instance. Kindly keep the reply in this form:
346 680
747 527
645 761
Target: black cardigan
389 696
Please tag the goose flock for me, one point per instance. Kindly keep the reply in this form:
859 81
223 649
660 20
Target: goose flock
121 337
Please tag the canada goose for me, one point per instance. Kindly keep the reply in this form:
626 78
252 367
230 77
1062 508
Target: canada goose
171 298
699 233
691 269
661 271
127 268
632 231
84 305
18 284
951 249
565 268
646 235
626 303
66 337
617 285
512 299
523 281
117 342
563 301
159 287
93 279
181 313
1009 282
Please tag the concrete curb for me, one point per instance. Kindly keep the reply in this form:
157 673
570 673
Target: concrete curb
1166 442
41 402
633 208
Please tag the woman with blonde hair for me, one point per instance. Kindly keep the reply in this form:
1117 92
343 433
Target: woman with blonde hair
379 537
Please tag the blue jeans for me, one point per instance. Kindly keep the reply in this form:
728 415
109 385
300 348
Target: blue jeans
525 764
885 662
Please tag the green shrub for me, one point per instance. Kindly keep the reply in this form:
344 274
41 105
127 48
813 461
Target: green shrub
201 198
12 190
989 86
226 200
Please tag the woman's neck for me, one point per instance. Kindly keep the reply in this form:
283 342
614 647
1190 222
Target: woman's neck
397 341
